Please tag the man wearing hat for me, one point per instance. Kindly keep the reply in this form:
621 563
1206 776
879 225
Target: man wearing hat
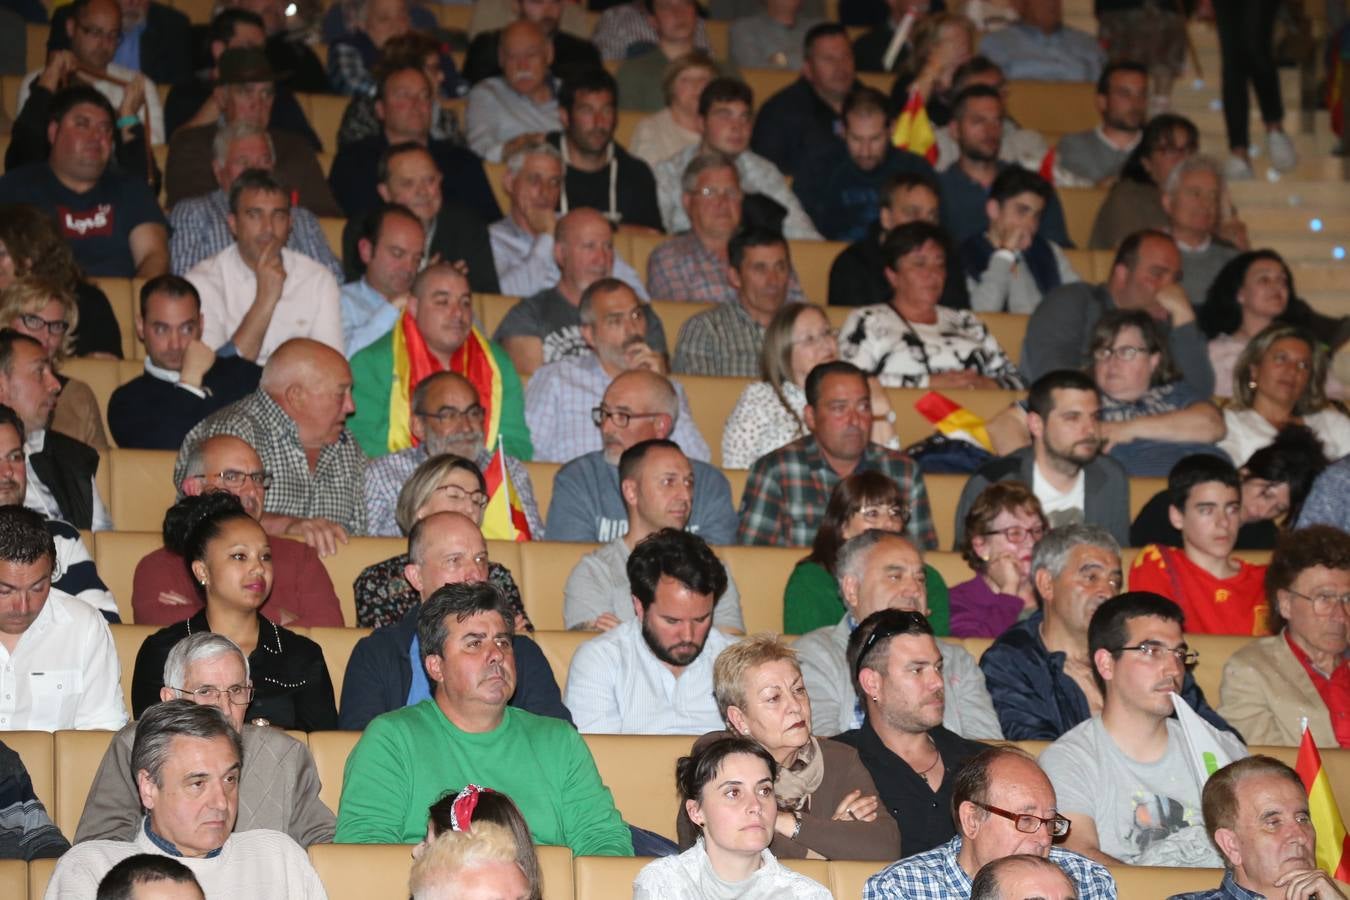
245 90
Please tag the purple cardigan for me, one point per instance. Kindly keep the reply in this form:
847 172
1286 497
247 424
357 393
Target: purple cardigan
978 612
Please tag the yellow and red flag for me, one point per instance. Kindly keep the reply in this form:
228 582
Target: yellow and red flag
413 361
504 518
1333 844
953 419
913 131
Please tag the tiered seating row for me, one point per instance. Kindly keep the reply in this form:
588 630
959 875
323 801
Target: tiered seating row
62 766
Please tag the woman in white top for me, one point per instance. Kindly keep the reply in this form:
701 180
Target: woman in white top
1285 369
1252 291
913 342
727 789
663 134
769 412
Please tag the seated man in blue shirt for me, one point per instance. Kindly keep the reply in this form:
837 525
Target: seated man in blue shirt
390 247
1040 46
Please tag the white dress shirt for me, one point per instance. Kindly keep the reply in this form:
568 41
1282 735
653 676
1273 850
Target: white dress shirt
616 685
63 672
39 497
309 306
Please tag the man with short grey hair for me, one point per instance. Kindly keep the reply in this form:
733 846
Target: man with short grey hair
884 570
278 784
186 760
1039 671
1202 221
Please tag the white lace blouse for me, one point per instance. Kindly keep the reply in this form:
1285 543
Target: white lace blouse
759 424
905 354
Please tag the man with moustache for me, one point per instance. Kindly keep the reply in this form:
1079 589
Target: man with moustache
1125 778
657 482
562 394
1256 813
1064 466
447 417
654 673
519 106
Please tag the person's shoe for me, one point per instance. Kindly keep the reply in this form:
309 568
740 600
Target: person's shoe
1238 169
1283 156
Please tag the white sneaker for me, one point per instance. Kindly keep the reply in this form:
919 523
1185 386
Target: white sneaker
1238 169
1283 156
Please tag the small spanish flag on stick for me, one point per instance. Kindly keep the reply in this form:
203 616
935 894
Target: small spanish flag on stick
1333 844
913 131
504 518
953 420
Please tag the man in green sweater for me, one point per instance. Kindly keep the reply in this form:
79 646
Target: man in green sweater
466 733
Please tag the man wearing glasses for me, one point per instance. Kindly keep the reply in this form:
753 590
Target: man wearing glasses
1124 778
163 591
1004 806
877 570
588 504
446 418
278 784
562 395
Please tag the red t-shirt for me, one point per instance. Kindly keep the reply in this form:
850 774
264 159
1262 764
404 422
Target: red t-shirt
1335 691
1212 605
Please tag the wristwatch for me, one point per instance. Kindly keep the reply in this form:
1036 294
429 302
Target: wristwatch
889 417
796 829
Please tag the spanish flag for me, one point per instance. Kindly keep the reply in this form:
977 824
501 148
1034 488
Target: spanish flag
504 518
913 131
1333 844
953 420
413 361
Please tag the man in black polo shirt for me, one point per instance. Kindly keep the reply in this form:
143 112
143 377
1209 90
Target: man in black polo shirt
806 114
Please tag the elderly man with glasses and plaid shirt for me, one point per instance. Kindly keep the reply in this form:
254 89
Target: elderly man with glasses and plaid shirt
1003 805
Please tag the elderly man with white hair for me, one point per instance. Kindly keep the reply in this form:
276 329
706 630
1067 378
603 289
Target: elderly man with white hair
278 784
520 105
1203 222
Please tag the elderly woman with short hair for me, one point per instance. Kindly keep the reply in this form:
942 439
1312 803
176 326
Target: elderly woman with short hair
827 802
1274 684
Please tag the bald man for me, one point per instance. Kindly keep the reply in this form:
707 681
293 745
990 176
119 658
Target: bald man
519 106
162 591
1022 877
296 423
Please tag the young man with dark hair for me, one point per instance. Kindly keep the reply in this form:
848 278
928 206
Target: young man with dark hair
1095 157
1124 778
390 248
1010 267
171 879
1218 592
597 171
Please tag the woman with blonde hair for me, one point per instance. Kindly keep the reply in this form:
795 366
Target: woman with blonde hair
677 125
45 311
940 44
827 804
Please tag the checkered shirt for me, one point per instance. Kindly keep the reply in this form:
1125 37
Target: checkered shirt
620 27
722 341
683 269
198 231
386 476
334 490
788 489
347 71
936 875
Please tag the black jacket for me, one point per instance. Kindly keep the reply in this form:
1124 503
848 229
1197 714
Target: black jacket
570 53
166 43
352 177
460 234
858 276
66 467
379 676
634 188
792 121
151 414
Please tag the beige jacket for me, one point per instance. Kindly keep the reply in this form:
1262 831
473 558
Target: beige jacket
1265 693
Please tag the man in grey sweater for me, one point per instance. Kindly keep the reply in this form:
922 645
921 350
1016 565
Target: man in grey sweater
1095 157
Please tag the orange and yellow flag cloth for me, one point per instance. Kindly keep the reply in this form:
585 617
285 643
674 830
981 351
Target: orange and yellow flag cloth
1333 844
504 518
413 361
953 419
913 131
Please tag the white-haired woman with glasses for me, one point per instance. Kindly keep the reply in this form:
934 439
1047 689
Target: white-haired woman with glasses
769 411
444 483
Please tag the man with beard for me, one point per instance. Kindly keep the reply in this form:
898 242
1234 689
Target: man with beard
447 417
435 333
598 172
562 395
977 128
390 248
163 591
1095 157
654 674
1064 466
657 481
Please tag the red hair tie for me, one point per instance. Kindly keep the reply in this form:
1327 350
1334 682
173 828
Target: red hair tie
461 810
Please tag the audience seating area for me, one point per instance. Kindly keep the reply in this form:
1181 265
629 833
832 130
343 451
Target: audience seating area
62 767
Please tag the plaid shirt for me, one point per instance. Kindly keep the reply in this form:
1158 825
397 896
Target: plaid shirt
198 231
620 28
722 341
683 269
1228 889
334 490
386 475
936 875
788 489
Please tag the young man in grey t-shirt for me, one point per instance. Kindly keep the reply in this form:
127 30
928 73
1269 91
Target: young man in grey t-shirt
1122 777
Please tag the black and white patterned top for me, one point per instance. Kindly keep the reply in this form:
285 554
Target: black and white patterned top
904 354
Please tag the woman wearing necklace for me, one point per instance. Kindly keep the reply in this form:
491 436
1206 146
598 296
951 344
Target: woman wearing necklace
230 558
912 341
912 759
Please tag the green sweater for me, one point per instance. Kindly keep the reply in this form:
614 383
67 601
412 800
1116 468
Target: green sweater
811 600
408 758
373 376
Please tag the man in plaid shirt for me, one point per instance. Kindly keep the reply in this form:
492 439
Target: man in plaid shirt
1004 805
788 489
